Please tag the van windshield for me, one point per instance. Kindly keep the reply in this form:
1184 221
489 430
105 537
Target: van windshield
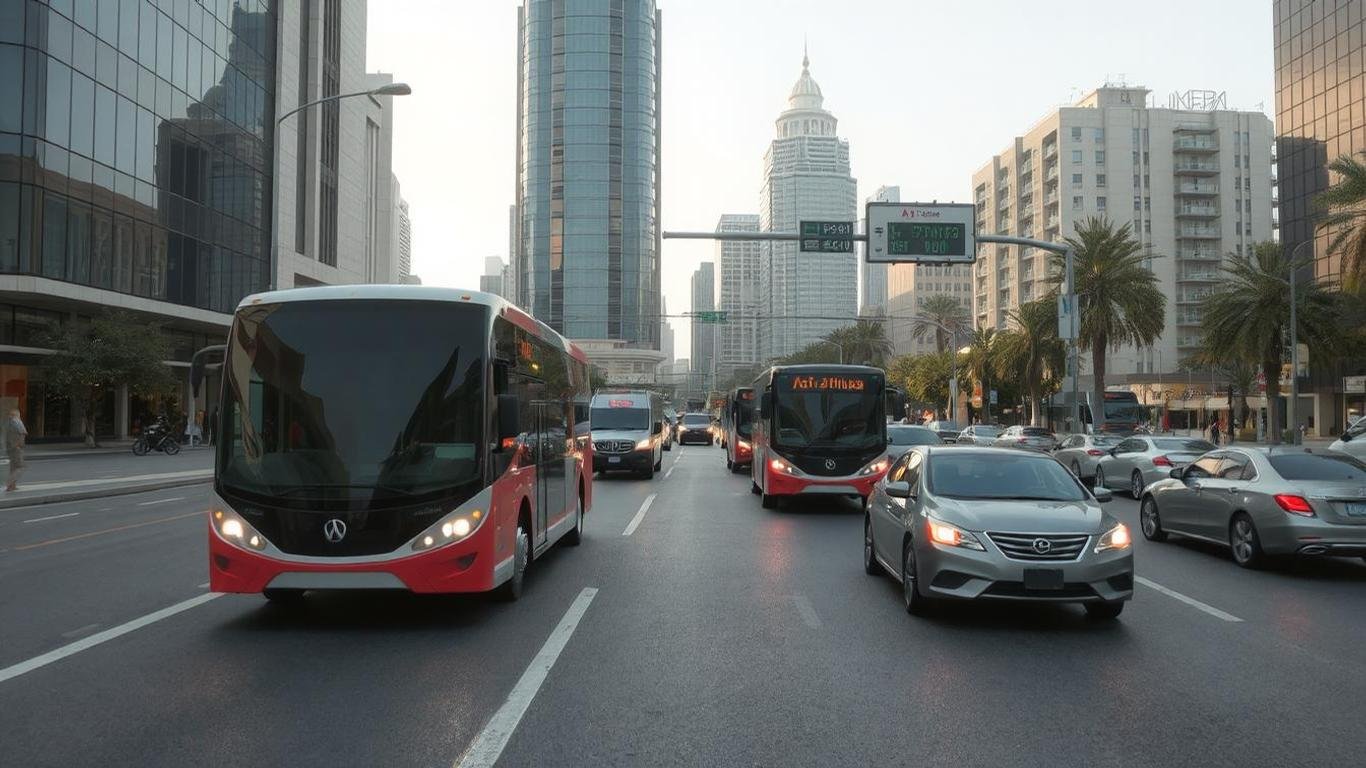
621 418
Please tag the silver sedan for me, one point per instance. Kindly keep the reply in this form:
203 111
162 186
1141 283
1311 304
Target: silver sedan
1081 453
1038 439
979 434
969 523
1262 502
1139 461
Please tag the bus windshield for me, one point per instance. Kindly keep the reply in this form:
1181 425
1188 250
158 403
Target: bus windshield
838 411
322 402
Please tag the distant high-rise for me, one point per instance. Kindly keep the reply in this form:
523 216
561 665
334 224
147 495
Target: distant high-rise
704 334
403 235
737 264
496 277
806 176
873 287
586 259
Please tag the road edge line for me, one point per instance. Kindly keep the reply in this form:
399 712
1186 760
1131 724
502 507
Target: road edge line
489 743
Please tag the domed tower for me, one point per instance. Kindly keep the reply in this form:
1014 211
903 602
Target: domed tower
805 114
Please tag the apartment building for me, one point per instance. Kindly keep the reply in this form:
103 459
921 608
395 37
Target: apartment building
1192 179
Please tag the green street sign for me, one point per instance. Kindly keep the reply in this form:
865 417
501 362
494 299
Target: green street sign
827 236
709 317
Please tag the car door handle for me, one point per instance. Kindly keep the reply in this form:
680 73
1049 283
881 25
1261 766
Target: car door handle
1196 486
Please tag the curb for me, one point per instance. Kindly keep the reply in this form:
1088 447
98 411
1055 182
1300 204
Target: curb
97 493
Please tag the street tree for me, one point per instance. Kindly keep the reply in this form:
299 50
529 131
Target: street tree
981 363
1344 206
940 312
925 378
1248 317
1117 294
93 357
1032 353
864 343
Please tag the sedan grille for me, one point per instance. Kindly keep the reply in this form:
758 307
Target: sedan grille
613 446
1036 547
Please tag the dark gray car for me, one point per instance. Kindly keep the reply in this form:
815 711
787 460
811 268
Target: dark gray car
1263 501
900 438
979 434
973 523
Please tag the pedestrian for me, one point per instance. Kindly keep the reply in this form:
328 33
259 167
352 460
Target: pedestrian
1214 432
15 437
1231 432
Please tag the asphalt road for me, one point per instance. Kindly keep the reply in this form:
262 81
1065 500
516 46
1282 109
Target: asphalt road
108 466
719 634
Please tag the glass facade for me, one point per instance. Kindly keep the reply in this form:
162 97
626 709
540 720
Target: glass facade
587 242
135 145
1320 109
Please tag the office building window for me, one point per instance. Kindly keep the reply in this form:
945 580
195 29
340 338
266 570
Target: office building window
1076 202
1100 134
1100 156
1076 179
1135 181
1100 203
1076 133
1076 156
1100 179
1138 203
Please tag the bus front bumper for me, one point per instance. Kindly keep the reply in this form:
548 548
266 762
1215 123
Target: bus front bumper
780 484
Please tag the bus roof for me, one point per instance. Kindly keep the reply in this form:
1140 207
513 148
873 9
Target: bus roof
497 303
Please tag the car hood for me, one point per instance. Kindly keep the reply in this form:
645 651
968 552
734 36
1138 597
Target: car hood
1021 516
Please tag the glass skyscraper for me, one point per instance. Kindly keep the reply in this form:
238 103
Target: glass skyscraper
586 258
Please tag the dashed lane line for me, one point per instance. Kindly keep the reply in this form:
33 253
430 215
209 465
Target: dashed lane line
635 521
51 517
64 539
1192 602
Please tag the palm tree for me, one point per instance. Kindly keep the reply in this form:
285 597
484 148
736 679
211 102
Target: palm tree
1032 351
981 362
1117 295
1345 206
937 313
1249 316
863 342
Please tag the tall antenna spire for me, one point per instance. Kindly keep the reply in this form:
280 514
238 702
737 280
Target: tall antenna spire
806 60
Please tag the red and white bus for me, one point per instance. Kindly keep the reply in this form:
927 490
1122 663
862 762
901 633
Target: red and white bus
819 429
737 417
401 437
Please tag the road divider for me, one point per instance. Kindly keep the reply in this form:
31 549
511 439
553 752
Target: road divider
37 662
484 751
1192 602
635 521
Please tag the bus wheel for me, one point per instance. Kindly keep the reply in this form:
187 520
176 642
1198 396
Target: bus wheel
511 589
284 596
575 535
768 501
754 487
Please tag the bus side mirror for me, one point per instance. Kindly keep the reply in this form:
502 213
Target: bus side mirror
509 420
765 405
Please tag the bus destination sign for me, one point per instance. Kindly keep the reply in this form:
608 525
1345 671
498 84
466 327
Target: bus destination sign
827 383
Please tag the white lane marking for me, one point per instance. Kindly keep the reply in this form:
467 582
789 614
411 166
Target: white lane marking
635 521
70 649
807 611
78 631
160 501
52 517
488 745
1192 602
205 585
670 472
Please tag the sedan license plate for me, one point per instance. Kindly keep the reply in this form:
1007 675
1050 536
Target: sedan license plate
613 459
1043 578
1356 509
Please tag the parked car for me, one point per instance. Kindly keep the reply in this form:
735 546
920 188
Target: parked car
1262 502
1080 453
1039 439
948 430
1140 461
979 434
1353 440
900 438
995 524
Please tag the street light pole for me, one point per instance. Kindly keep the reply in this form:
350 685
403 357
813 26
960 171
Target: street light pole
392 89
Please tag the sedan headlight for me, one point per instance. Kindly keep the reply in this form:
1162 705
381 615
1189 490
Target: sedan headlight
877 466
1115 538
238 531
952 536
448 530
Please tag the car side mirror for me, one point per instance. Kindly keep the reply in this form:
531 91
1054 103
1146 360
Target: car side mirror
509 421
1103 495
1177 473
899 490
658 428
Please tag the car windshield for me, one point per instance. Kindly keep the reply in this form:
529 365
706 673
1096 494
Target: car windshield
696 420
302 416
912 436
1182 445
831 410
983 430
1037 432
621 418
1335 467
959 474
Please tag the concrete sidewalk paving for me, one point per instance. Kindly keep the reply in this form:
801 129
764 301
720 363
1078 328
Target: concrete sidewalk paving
76 490
41 451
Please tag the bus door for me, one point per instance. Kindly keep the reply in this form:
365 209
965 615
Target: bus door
551 433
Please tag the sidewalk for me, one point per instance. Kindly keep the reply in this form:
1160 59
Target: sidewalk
87 474
41 451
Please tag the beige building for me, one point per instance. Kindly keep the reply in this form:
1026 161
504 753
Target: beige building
1194 181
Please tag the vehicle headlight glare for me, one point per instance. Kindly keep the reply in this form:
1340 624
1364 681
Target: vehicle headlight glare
237 531
1115 538
877 466
452 528
643 445
231 528
742 445
953 536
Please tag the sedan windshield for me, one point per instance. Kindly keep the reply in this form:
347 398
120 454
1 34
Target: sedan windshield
985 431
912 436
1182 445
969 475
314 408
1337 467
1037 432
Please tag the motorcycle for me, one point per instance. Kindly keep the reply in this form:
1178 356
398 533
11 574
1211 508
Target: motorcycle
157 437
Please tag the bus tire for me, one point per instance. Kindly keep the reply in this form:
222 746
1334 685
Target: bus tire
768 501
284 596
754 487
575 536
511 589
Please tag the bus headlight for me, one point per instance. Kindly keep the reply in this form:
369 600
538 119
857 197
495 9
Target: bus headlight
448 530
876 467
237 531
785 467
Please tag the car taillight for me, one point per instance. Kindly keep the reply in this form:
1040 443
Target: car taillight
1094 452
1161 461
1295 505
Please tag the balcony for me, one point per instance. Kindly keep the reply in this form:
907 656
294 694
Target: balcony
1196 168
1198 254
1050 151
1051 198
1051 222
1196 188
1193 295
1199 144
1189 316
1188 342
1200 276
1197 211
1199 233
1051 175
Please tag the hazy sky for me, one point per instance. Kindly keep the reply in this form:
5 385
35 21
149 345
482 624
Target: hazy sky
925 92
